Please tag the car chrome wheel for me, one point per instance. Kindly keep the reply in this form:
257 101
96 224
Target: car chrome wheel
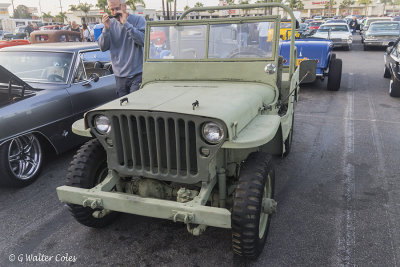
390 86
25 156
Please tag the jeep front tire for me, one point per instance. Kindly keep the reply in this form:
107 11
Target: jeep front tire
249 223
87 169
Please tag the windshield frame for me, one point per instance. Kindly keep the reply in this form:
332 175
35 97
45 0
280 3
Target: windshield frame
207 22
72 64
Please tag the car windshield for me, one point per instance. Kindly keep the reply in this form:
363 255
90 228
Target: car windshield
313 24
42 67
333 28
225 41
378 27
374 20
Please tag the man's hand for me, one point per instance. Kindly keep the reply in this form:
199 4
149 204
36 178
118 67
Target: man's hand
124 17
106 21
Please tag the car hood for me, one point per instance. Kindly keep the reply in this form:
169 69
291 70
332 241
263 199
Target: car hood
6 77
233 103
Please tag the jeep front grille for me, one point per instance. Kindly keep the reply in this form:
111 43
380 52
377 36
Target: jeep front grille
158 145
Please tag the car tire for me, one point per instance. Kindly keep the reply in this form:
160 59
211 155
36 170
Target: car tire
249 224
21 160
386 72
87 169
288 141
335 74
394 88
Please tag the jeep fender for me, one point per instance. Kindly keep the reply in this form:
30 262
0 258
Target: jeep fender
79 128
261 130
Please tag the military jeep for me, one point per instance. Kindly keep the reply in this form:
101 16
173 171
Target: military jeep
195 143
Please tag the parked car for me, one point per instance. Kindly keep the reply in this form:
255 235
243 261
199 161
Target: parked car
392 67
367 21
55 36
2 33
44 88
15 42
381 33
320 50
51 27
337 21
339 33
286 28
314 25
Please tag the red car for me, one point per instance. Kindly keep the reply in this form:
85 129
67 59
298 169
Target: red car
13 43
315 25
158 38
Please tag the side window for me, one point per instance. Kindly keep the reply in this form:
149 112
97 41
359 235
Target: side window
395 51
97 62
80 74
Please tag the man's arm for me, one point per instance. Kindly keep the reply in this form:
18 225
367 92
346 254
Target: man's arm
136 32
104 39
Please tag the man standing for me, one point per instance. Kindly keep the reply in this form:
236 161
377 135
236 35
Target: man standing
28 30
123 35
353 24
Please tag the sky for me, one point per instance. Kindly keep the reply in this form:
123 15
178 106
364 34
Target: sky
53 6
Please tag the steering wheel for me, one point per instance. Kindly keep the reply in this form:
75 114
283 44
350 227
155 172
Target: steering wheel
55 78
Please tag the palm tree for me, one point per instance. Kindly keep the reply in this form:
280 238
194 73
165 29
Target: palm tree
199 4
102 4
346 4
73 8
366 3
47 16
85 8
62 16
132 3
329 5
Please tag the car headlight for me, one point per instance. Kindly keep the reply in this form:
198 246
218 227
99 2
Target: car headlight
212 132
102 124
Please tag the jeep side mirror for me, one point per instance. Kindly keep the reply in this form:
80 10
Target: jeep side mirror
308 71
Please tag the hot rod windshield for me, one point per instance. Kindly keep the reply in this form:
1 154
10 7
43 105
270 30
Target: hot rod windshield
38 66
214 41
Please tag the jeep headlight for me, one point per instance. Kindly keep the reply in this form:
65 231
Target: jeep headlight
212 132
102 124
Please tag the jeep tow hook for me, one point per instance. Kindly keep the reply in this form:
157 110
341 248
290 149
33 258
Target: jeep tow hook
268 205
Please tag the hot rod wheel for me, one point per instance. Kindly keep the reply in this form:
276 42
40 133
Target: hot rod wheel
21 160
87 169
250 220
335 74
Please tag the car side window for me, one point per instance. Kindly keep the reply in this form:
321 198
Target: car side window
97 62
80 74
395 52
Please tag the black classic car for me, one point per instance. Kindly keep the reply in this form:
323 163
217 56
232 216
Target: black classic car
44 88
392 69
381 33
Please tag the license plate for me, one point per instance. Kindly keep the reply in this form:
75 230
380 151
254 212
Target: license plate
300 60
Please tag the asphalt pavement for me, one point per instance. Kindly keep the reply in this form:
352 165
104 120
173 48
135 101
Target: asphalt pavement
338 195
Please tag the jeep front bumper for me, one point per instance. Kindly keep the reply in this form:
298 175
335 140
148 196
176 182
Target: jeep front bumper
193 212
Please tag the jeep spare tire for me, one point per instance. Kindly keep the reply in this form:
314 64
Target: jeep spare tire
335 74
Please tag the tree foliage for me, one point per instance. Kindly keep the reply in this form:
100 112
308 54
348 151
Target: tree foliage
346 3
62 16
199 4
132 3
102 4
22 12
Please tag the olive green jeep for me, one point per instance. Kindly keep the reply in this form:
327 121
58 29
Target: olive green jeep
195 143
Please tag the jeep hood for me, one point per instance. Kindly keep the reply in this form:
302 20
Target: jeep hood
230 102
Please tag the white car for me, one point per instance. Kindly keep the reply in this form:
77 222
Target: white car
339 33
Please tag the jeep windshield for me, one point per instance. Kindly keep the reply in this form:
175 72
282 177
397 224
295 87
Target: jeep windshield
212 41
38 66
